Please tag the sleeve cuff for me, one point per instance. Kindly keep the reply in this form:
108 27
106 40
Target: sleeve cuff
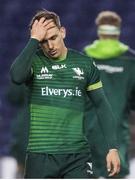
95 86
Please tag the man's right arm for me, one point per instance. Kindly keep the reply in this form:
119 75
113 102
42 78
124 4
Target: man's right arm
21 67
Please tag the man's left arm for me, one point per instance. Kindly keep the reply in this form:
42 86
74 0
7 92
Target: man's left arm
108 126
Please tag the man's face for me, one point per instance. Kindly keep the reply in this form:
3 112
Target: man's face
53 44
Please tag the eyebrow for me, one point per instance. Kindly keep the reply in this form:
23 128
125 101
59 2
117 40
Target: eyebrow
49 38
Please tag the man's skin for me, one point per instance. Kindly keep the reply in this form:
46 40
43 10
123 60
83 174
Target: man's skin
51 39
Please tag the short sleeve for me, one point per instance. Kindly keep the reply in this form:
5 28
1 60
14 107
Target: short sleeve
94 81
132 99
132 84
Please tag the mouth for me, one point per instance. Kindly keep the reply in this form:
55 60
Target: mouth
53 52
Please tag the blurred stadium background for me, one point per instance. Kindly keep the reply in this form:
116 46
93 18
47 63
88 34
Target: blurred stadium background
76 15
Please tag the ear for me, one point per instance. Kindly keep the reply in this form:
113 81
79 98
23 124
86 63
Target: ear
63 32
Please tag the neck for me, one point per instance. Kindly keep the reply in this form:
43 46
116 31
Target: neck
63 55
115 37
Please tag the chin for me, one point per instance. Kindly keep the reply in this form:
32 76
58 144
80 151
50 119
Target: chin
55 57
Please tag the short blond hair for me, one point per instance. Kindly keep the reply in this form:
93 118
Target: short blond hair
47 15
108 17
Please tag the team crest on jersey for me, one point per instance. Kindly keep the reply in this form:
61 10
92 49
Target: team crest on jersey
44 74
79 73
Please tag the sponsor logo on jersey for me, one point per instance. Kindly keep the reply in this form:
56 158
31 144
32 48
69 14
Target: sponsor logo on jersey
44 74
94 64
89 170
44 70
110 69
56 67
47 91
79 73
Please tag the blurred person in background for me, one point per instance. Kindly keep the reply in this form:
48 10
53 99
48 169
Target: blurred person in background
17 97
8 164
59 79
116 62
132 132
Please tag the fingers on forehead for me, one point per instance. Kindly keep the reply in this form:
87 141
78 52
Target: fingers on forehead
42 19
50 23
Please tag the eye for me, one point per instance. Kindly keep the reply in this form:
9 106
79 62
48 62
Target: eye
44 42
53 37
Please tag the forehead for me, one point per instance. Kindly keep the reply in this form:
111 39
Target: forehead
51 32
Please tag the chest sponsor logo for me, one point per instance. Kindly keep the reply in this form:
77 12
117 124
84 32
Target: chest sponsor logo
56 67
47 91
44 74
79 73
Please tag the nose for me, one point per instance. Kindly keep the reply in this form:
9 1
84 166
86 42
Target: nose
50 45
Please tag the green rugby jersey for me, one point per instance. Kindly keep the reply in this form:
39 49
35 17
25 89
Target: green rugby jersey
58 93
57 100
117 68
